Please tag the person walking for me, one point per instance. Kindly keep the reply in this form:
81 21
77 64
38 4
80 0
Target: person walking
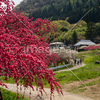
78 60
74 62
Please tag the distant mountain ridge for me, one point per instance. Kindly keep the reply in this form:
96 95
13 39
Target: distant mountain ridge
70 10
29 6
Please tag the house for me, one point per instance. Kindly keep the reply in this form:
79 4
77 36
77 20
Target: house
84 43
56 47
56 44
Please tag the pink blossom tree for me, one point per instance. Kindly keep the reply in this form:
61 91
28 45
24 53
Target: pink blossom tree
24 54
92 47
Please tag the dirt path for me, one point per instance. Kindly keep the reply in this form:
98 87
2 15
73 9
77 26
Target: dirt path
66 96
77 86
75 67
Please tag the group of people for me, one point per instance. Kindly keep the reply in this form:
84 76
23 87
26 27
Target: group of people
77 61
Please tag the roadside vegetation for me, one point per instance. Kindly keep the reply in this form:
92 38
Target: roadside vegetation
7 95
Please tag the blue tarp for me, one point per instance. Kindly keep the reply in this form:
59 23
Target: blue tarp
59 66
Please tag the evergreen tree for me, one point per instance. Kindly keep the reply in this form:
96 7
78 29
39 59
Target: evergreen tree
90 32
97 31
74 37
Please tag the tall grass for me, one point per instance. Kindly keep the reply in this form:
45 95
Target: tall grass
87 72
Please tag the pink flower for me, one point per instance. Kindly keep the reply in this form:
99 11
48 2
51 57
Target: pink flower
28 66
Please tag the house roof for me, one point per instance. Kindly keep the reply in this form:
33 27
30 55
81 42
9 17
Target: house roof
84 42
54 43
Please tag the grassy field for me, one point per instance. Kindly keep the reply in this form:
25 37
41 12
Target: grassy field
89 75
91 70
7 95
87 72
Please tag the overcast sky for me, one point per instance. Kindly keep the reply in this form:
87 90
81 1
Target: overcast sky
17 2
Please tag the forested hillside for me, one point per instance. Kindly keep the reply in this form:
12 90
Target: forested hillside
64 35
70 10
82 30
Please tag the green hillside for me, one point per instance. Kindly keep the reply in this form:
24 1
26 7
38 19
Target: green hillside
72 33
70 10
63 33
